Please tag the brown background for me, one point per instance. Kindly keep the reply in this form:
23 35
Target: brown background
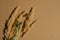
47 12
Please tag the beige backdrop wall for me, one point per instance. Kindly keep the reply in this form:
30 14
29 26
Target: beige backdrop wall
46 11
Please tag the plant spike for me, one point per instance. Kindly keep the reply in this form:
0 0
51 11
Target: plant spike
17 25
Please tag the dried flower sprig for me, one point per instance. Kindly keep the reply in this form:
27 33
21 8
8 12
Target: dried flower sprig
14 28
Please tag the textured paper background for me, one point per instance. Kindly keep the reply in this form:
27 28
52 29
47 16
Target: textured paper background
47 11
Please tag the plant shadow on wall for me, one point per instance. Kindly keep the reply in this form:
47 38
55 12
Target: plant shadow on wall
18 28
